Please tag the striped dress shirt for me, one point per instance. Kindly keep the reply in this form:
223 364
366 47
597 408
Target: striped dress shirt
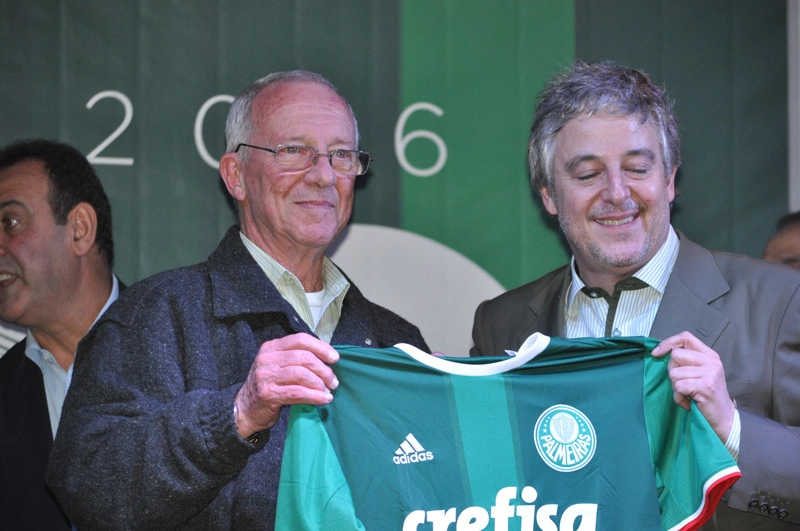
631 309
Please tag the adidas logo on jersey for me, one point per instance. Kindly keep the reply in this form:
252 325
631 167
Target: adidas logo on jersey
411 451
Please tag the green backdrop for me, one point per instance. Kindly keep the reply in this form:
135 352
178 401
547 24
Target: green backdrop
725 64
433 82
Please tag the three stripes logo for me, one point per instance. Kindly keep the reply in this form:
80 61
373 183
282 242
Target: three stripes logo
411 451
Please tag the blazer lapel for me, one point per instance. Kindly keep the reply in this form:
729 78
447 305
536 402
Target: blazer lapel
547 305
694 284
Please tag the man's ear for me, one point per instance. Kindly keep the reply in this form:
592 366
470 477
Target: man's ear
230 169
671 185
548 201
82 222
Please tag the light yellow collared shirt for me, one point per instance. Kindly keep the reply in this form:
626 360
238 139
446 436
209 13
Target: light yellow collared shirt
334 283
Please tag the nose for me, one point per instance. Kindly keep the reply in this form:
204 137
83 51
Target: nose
320 173
616 189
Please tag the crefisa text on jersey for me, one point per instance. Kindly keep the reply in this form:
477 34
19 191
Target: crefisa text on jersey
529 517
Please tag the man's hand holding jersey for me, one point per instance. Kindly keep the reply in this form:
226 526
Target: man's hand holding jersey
697 374
289 370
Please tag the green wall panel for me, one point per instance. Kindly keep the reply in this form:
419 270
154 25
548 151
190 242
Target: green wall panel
165 59
480 64
724 63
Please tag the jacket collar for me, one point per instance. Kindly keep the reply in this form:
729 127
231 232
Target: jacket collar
238 284
694 284
551 296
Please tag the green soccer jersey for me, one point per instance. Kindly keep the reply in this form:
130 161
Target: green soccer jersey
568 435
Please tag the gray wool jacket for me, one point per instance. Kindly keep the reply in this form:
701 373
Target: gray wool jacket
147 438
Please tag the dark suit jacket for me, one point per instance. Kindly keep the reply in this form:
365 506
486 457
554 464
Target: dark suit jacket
147 438
25 442
748 311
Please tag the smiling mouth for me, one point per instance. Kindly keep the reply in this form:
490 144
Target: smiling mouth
5 279
615 222
315 204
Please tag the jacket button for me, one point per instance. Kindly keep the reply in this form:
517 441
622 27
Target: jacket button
368 341
782 514
773 511
753 504
763 507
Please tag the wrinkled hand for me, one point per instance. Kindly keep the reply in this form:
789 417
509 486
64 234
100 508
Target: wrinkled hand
697 374
289 370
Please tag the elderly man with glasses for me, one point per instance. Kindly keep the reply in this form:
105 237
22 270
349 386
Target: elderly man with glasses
177 417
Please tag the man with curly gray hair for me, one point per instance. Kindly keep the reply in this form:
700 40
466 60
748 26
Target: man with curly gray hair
604 150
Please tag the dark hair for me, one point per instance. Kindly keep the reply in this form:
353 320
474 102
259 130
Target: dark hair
72 180
591 88
788 220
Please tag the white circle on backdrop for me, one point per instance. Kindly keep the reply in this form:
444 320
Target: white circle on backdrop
424 281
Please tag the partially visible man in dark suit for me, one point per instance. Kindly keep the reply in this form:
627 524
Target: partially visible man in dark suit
56 253
783 247
603 153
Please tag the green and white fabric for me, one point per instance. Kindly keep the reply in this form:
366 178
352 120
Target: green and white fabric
569 434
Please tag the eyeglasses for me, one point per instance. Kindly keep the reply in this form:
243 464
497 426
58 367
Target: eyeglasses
299 158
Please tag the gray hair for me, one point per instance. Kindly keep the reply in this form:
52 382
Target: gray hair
591 88
240 126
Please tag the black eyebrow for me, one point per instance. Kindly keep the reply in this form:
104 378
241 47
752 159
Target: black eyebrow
11 202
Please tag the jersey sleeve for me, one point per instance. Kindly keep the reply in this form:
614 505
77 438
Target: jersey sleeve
313 494
692 466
